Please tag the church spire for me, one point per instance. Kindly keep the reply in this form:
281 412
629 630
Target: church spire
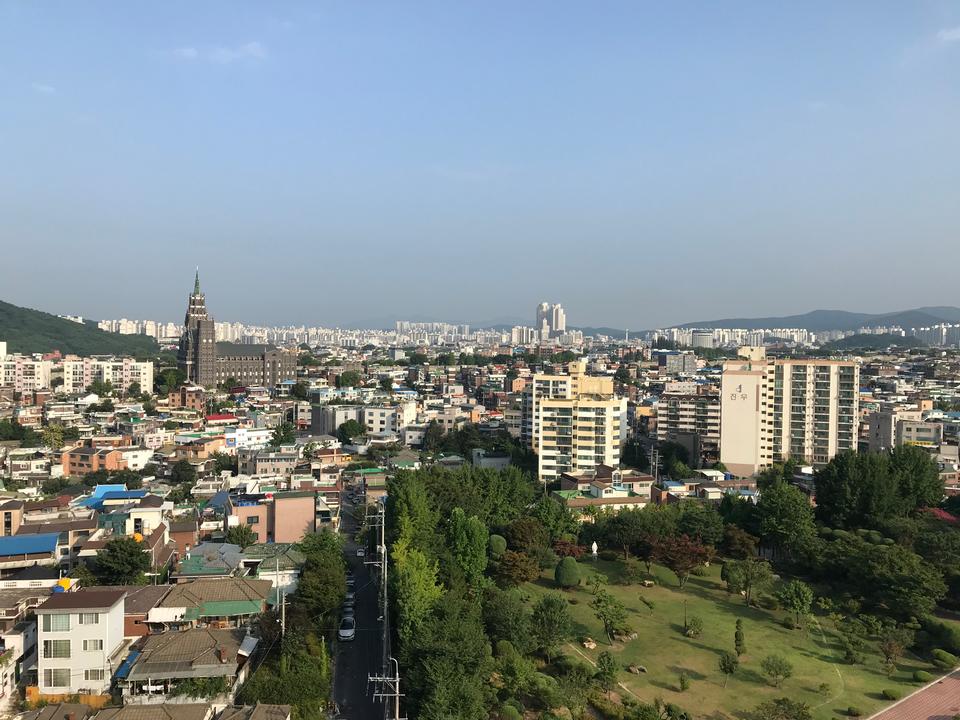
196 282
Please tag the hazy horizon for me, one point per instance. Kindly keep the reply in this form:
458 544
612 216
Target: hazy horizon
339 163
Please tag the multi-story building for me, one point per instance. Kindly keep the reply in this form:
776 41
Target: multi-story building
24 373
79 373
690 417
576 422
79 635
776 409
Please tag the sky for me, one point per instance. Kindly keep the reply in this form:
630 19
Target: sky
353 163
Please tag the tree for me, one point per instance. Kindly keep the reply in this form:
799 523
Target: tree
468 542
550 624
386 384
100 387
567 573
610 612
506 617
527 535
796 597
777 668
134 390
893 643
283 434
417 590
606 671
300 391
782 709
348 378
700 521
682 555
53 436
183 472
739 543
349 430
739 643
623 530
747 577
322 584
241 535
432 436
498 545
729 663
122 561
516 568
786 519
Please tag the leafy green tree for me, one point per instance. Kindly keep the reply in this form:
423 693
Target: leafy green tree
322 584
738 543
796 597
527 535
468 542
498 545
606 671
349 430
241 535
506 617
609 611
433 436
729 663
100 387
348 378
53 436
786 519
132 479
550 624
122 561
781 709
283 434
300 391
567 573
681 555
416 589
183 472
748 577
700 521
777 668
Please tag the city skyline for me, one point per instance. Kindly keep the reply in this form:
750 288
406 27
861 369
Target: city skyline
676 157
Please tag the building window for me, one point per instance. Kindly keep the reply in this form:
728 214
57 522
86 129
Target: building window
56 623
92 645
253 520
56 648
93 674
56 677
89 618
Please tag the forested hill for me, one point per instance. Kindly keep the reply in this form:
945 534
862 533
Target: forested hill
32 331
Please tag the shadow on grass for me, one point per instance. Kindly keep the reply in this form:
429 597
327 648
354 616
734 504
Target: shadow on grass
679 670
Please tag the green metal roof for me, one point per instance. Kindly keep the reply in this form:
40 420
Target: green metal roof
225 608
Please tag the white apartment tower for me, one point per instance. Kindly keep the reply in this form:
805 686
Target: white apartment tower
551 320
574 422
776 409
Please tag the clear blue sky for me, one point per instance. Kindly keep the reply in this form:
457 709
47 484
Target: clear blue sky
326 163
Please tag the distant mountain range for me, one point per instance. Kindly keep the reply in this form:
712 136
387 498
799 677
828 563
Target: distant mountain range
31 331
820 320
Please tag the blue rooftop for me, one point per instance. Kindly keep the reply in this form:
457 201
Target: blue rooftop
100 490
128 662
28 544
124 495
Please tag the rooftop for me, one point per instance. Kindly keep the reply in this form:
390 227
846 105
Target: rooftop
37 544
84 599
200 652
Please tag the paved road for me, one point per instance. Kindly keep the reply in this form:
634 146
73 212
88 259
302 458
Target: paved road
939 701
355 660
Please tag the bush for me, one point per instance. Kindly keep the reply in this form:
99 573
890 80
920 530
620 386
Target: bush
769 602
498 544
508 712
943 635
922 676
889 694
854 711
824 689
609 555
568 548
694 627
607 709
684 682
944 660
567 574
789 624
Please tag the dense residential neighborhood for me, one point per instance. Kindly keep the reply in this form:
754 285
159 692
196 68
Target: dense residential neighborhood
177 530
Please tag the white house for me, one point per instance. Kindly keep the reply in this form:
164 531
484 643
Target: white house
80 640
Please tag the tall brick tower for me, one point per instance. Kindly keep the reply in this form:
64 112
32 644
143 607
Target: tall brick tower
197 354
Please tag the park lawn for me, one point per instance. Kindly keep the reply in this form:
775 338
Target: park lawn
662 648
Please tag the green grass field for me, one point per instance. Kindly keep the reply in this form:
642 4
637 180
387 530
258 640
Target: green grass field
665 652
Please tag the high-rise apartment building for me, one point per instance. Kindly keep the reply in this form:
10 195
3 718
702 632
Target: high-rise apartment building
551 320
197 354
777 409
689 415
573 422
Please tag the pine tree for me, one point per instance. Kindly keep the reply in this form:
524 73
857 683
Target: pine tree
738 642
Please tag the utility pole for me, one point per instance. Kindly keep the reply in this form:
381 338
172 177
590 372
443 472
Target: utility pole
388 688
283 601
655 464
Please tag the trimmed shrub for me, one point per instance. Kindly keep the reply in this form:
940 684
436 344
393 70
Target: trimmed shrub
922 676
694 627
498 543
609 555
854 711
889 694
944 660
508 712
941 634
567 574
